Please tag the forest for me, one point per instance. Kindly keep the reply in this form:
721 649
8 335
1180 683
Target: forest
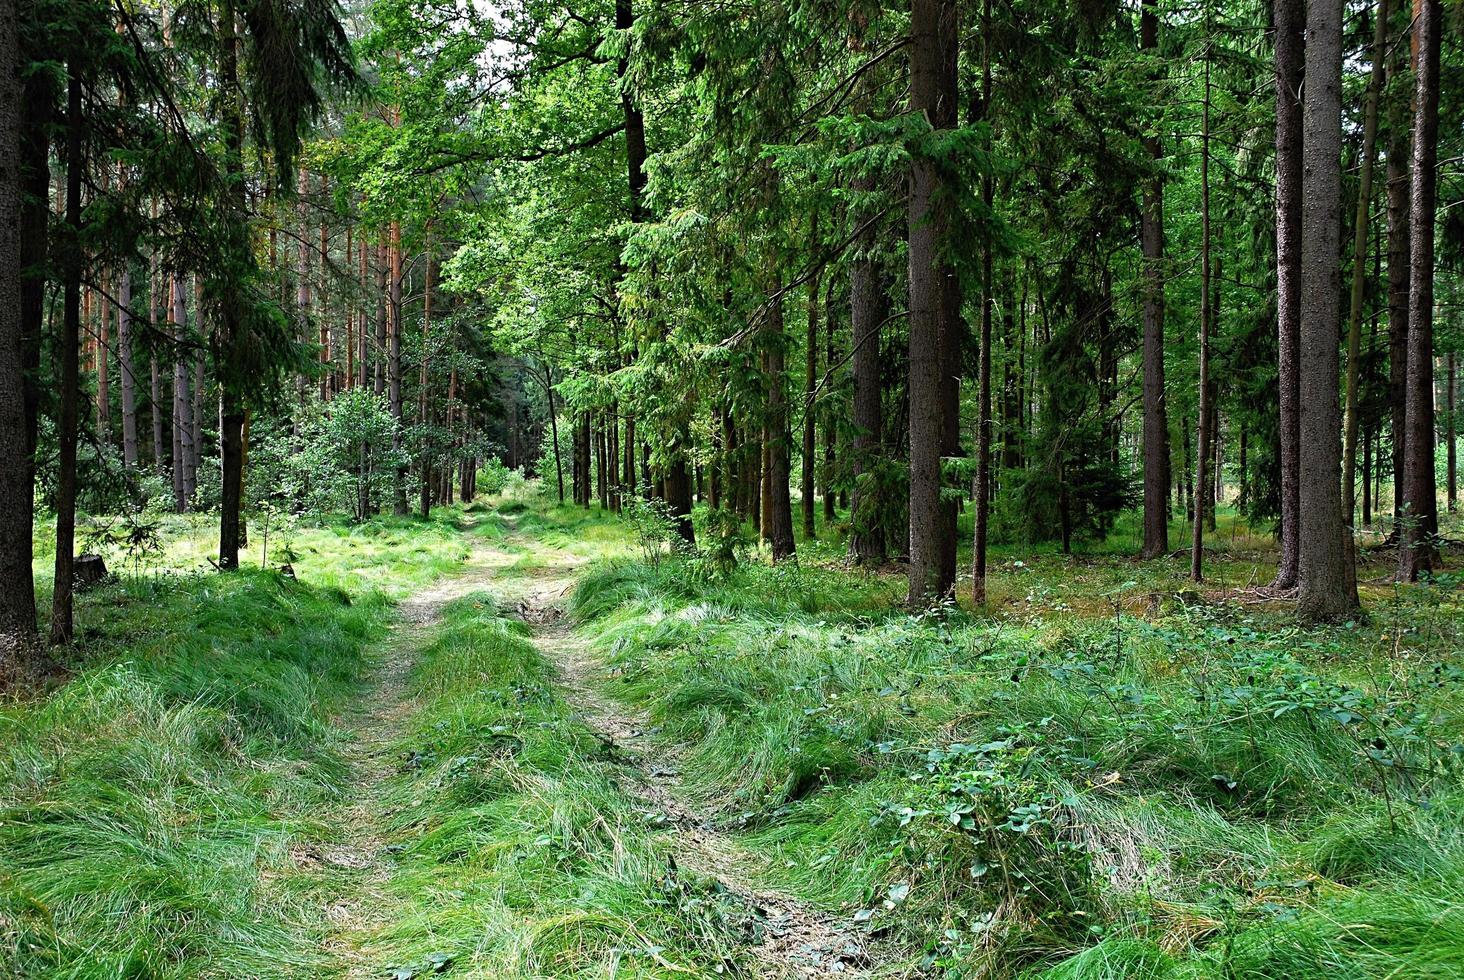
952 489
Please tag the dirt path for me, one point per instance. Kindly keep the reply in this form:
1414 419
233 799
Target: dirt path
532 582
799 941
374 725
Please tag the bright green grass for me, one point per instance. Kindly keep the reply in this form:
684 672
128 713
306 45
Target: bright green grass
148 805
514 851
1209 793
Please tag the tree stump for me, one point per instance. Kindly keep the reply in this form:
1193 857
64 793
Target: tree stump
88 570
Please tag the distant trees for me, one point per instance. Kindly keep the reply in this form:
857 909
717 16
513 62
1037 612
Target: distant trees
605 216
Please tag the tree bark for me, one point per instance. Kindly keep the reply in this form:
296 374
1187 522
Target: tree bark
125 367
1359 265
1399 247
394 364
1420 499
1202 443
868 308
1326 591
778 507
1290 18
810 382
18 641
182 412
68 355
1156 421
932 29
1451 435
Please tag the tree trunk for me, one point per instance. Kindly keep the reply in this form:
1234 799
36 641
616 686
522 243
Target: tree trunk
778 506
830 429
1156 422
124 366
1399 246
18 640
1290 17
1420 499
810 381
182 451
982 486
1450 435
394 363
424 403
868 307
1202 445
1325 589
229 331
932 27
68 355
1359 266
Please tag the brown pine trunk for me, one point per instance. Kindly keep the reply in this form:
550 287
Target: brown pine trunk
1325 589
1420 499
233 426
932 30
1290 17
394 362
982 488
1359 265
830 430
125 366
810 381
1450 435
1156 421
182 410
17 491
777 504
1202 446
1399 246
867 311
68 355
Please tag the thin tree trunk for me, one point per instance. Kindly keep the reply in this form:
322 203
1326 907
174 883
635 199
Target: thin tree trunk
554 429
778 507
1202 453
125 366
810 381
1290 17
868 307
1450 435
1325 587
1156 422
394 364
1359 266
830 429
182 411
983 383
228 331
1420 501
1399 246
68 355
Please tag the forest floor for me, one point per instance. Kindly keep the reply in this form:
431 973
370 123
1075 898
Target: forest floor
505 743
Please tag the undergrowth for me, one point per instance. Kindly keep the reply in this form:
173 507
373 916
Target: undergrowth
147 806
514 851
1208 792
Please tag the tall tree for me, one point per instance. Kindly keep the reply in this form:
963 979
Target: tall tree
1290 20
1156 419
1420 494
932 563
17 587
1325 587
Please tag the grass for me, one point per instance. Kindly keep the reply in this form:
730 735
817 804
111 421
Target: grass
1111 774
1066 788
514 852
146 805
